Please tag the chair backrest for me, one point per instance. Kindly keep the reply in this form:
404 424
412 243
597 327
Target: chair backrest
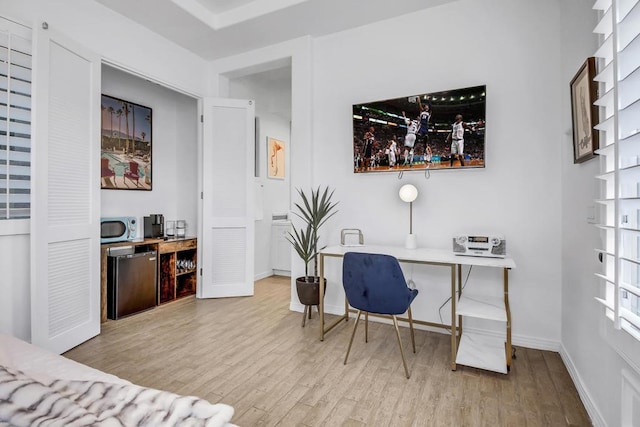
133 167
104 163
375 283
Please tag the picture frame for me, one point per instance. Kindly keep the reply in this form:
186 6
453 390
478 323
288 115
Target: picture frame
276 158
125 145
426 131
584 114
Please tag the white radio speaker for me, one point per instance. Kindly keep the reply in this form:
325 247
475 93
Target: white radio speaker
486 246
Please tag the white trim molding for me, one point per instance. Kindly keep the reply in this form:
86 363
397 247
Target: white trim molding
596 417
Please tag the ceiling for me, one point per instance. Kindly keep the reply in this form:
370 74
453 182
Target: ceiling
217 28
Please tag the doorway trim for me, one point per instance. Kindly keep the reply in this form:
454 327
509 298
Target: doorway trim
297 53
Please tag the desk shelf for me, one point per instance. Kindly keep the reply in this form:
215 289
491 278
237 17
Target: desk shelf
480 350
482 307
483 352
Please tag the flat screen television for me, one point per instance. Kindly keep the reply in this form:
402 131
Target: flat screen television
439 130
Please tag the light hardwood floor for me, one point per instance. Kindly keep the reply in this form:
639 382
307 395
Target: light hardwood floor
253 354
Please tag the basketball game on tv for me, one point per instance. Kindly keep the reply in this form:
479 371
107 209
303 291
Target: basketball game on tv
440 130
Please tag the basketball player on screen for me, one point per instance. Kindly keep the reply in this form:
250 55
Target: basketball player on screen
410 138
369 138
427 155
425 115
393 151
457 140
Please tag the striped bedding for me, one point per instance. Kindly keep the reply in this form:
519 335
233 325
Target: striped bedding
26 401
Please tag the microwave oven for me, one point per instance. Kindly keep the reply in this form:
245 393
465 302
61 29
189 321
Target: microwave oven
118 229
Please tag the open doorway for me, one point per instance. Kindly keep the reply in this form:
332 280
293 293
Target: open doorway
271 90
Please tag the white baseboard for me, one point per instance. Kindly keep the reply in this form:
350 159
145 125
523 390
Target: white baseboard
516 340
535 342
596 418
519 340
263 275
270 273
286 273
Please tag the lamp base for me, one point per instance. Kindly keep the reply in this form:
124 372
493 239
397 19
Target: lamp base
411 241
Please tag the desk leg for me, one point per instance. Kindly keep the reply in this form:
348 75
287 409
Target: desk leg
459 334
508 310
321 306
454 339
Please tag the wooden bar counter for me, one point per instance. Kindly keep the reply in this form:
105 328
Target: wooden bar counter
176 274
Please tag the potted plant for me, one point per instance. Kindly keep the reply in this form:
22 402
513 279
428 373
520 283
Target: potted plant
314 210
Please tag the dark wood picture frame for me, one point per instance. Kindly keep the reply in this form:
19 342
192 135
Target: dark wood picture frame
126 145
584 114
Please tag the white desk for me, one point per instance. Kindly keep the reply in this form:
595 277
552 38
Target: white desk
442 258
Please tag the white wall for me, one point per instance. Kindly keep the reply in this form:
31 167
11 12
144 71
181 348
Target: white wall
174 153
115 38
595 366
271 91
15 286
511 46
119 41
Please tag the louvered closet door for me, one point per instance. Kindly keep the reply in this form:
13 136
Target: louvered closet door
227 245
65 246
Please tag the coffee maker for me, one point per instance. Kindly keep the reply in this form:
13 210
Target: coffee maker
154 225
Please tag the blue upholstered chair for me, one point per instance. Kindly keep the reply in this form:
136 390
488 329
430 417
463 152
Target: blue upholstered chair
374 283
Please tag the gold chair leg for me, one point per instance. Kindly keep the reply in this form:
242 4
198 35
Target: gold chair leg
304 315
366 326
353 334
413 337
404 362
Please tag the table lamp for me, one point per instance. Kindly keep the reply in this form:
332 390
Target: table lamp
408 193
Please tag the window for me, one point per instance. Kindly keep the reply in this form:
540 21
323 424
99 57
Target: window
15 120
619 97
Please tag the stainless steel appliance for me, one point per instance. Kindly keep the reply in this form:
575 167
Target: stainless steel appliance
131 281
154 225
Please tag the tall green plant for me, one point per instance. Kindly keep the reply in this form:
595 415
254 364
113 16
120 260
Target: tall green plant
315 210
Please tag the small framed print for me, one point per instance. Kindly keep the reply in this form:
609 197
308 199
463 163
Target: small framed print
584 113
276 155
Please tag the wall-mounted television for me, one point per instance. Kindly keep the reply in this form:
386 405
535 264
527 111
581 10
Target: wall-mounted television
439 130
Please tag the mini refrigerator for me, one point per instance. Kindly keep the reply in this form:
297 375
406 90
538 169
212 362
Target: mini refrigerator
131 282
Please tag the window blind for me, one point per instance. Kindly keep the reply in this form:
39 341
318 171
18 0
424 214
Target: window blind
15 120
619 98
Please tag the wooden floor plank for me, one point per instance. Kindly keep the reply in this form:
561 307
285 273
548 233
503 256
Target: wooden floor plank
572 408
252 353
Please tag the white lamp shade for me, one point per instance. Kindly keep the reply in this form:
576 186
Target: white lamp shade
408 193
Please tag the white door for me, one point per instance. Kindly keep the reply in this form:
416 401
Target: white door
65 215
227 233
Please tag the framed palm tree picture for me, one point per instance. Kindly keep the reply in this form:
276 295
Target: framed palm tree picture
125 155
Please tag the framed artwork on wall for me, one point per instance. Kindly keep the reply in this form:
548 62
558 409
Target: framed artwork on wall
125 155
276 151
584 92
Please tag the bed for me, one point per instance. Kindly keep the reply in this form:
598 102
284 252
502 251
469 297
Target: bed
43 388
